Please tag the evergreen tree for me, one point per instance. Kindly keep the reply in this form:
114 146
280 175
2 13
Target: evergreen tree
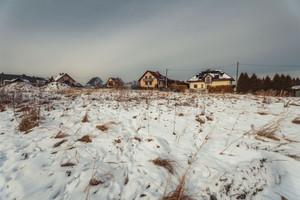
283 83
289 83
267 84
254 83
276 83
240 83
243 82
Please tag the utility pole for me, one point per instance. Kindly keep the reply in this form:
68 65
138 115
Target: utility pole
166 79
237 75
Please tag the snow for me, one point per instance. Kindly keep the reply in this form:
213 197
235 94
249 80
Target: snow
53 86
20 86
221 76
296 87
222 157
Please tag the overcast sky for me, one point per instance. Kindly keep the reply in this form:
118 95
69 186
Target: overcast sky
125 38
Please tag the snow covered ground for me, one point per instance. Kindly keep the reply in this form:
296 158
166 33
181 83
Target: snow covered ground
107 144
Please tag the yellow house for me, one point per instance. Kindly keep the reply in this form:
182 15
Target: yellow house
209 78
114 82
152 79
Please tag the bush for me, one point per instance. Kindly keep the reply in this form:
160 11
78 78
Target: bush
221 89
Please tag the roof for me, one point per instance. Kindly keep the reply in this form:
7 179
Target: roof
94 81
157 75
217 75
116 79
31 79
296 87
61 75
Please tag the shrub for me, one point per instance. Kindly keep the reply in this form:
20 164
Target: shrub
29 121
221 89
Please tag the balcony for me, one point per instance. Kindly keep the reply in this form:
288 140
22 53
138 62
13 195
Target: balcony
148 79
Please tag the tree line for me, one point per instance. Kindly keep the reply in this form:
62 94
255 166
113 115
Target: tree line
253 84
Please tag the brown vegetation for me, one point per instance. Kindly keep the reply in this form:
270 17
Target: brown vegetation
137 138
94 182
59 143
85 138
102 127
67 164
296 120
85 118
221 89
60 135
2 108
29 121
163 163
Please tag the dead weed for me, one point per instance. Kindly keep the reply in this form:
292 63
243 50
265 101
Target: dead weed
163 163
85 138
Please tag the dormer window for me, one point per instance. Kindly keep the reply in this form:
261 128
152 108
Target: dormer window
207 79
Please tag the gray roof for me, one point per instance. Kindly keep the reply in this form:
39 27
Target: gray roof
31 79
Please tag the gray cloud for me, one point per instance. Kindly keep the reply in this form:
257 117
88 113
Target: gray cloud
118 38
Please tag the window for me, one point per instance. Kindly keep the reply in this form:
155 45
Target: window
195 85
150 77
150 83
145 76
207 79
201 85
146 83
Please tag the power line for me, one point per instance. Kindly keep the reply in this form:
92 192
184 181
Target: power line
268 65
200 68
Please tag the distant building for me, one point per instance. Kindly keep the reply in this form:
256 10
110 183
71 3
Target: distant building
95 82
114 83
11 78
209 78
152 79
296 90
66 79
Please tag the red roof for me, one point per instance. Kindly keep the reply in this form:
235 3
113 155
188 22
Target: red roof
157 75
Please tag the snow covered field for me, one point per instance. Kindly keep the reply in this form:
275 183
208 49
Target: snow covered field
121 144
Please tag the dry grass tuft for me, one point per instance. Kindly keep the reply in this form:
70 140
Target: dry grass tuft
67 164
263 113
200 120
149 139
60 135
85 118
118 141
2 108
85 138
294 104
102 127
296 157
179 193
296 120
59 143
180 114
30 121
94 182
209 118
137 138
163 163
268 130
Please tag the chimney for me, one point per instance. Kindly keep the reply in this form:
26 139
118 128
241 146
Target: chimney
157 73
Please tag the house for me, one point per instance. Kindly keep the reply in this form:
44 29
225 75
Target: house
95 82
64 78
10 78
114 83
209 78
152 79
296 90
